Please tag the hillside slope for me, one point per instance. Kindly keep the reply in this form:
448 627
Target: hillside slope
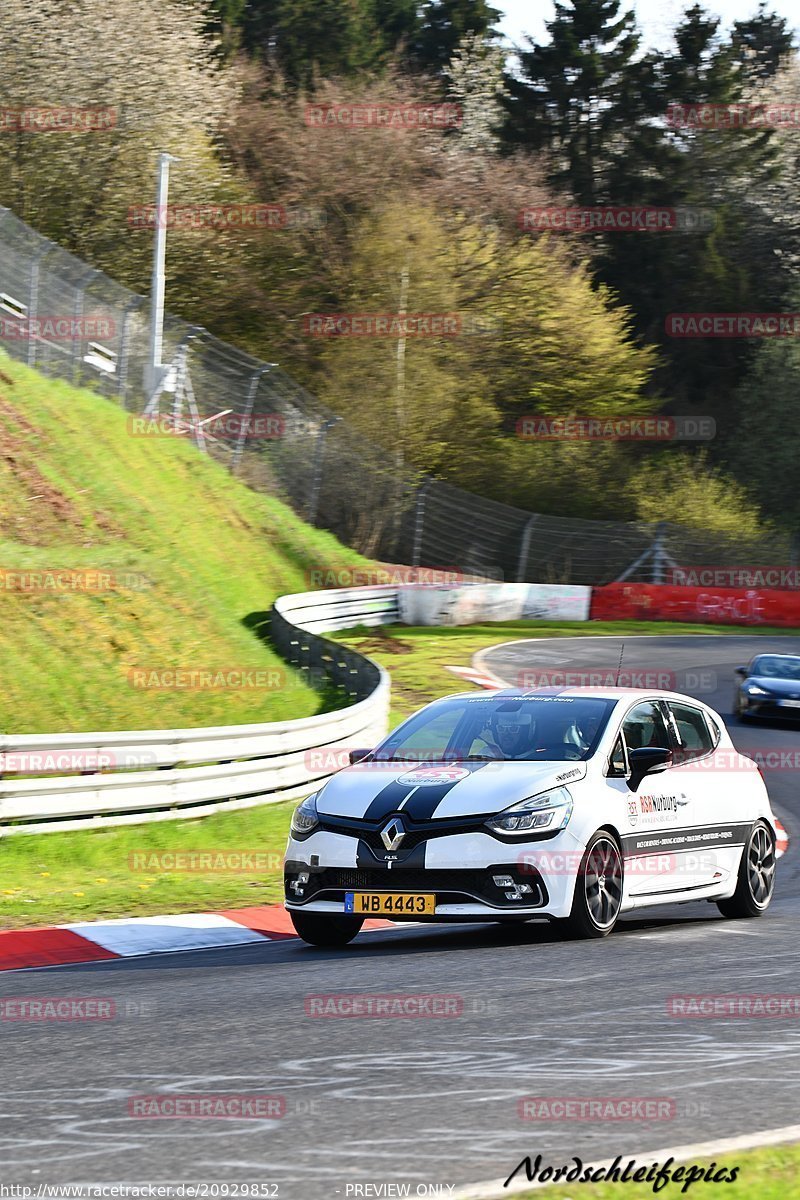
185 554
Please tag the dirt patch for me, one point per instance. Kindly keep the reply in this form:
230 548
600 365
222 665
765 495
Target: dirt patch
384 644
42 509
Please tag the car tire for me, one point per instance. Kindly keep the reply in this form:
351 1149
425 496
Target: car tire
326 929
756 883
598 896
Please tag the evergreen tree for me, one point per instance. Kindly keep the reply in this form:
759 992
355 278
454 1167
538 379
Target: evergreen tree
445 25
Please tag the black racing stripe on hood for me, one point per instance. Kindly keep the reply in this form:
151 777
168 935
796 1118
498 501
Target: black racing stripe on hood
423 804
387 800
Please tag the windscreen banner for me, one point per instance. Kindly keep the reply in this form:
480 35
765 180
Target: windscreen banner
473 603
712 606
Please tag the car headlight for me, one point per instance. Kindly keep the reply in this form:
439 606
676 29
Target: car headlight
549 810
304 817
754 690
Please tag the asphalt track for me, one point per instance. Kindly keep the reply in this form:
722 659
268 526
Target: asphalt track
431 1103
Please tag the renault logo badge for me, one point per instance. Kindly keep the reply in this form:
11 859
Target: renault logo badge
393 833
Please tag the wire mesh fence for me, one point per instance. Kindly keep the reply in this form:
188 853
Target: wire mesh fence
72 321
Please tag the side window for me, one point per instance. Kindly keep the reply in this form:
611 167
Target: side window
644 726
691 730
618 763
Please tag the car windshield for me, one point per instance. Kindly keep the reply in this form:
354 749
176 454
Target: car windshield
776 666
504 728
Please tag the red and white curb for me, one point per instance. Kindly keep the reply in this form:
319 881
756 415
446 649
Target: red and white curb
481 678
131 937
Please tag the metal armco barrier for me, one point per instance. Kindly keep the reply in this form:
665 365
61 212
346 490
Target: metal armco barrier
166 774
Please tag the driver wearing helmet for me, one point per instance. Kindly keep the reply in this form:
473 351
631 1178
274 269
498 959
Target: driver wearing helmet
511 734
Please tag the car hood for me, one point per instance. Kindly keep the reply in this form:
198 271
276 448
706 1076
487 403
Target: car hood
374 791
779 687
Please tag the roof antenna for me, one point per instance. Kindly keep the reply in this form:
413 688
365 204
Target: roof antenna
619 664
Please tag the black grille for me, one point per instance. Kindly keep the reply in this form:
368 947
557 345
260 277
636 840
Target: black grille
450 886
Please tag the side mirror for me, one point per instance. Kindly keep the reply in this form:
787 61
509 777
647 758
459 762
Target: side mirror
357 755
645 761
743 671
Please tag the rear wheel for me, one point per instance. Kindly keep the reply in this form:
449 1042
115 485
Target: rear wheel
326 929
756 876
598 889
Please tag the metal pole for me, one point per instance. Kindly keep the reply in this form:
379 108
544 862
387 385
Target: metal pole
658 553
155 367
419 520
525 545
33 298
125 349
316 477
78 311
248 412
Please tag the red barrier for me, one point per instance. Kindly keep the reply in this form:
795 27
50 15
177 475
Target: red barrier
712 606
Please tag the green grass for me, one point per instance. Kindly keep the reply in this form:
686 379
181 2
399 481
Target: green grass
418 656
768 1174
56 878
59 877
78 491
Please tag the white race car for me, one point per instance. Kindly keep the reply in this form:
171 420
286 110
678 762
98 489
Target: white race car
574 805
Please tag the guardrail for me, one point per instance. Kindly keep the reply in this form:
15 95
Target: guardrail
168 774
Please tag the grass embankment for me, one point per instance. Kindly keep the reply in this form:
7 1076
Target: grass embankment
189 553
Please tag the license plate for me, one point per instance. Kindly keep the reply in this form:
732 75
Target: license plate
389 904
789 703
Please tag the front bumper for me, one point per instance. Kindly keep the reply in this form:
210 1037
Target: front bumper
459 870
773 707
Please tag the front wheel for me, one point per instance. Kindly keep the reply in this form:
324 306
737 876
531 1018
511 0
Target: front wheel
598 889
756 876
326 929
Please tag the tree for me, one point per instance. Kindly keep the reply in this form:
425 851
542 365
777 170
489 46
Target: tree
308 40
762 44
765 448
580 95
445 25
475 75
157 78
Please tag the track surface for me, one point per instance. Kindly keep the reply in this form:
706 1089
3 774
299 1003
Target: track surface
424 1102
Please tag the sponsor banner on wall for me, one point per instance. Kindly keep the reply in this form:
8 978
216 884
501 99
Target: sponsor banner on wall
474 603
717 606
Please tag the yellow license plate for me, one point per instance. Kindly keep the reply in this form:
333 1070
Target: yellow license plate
389 904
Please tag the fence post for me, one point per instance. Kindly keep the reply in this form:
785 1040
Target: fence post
80 296
125 348
524 547
419 523
659 554
316 474
252 392
33 298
